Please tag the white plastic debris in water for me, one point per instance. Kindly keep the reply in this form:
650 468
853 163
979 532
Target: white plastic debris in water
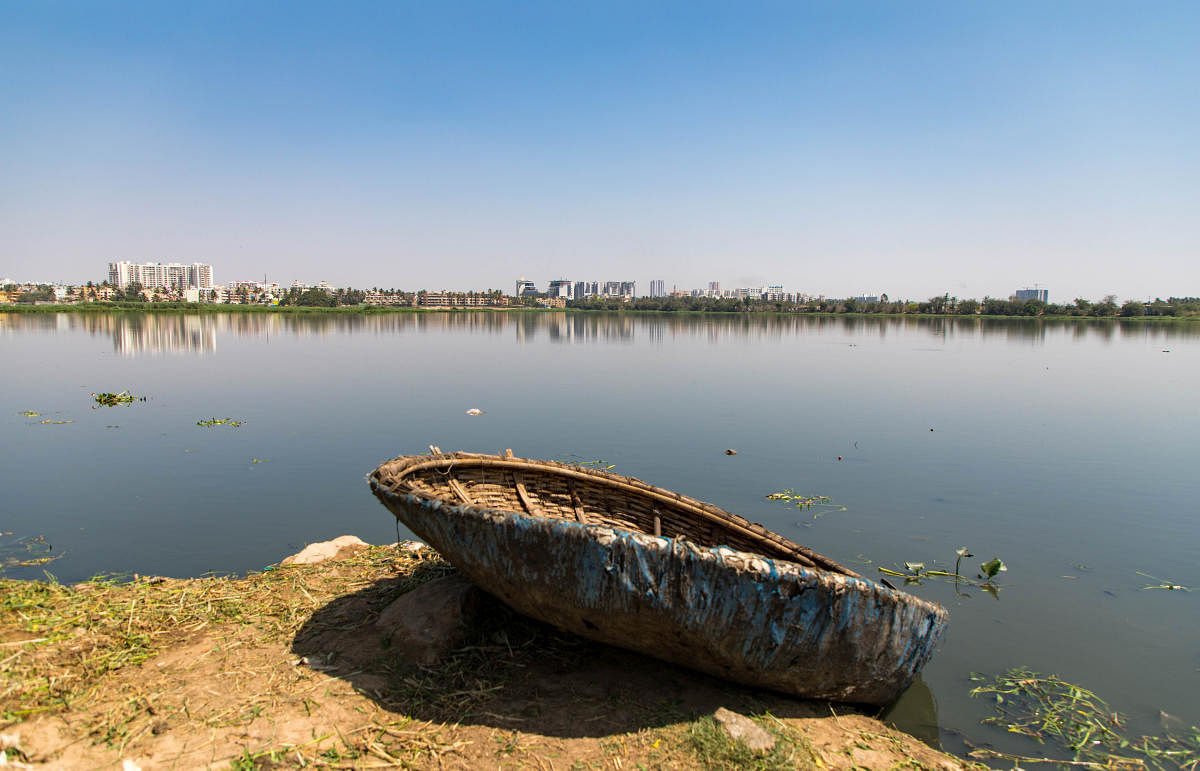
474 411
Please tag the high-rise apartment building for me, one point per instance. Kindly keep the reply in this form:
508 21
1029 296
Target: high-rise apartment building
658 288
200 275
1033 294
525 288
158 275
560 288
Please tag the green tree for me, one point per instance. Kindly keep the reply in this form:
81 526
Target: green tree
317 298
129 294
1108 307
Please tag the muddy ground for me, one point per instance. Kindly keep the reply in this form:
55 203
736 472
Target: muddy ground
285 668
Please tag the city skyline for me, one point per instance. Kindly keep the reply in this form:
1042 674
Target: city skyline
199 275
836 149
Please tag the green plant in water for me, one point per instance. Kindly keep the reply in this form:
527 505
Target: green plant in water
1077 721
25 552
219 422
30 414
961 552
107 399
818 504
596 463
915 572
991 568
1169 586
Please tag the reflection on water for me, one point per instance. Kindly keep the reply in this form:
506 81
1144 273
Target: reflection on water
138 333
915 712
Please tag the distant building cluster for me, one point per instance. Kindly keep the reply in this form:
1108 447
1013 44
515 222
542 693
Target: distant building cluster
424 299
627 290
172 281
770 293
159 275
577 290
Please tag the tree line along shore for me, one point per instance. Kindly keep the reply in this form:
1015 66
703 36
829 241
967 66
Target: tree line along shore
1173 308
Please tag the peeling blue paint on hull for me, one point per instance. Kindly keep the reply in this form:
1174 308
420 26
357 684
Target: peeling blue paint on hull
737 615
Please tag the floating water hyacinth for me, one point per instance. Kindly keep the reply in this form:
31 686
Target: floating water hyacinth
818 504
219 422
1077 721
916 572
991 568
107 399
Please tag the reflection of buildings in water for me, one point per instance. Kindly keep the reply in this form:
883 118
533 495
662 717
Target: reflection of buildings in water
656 330
565 327
134 333
151 333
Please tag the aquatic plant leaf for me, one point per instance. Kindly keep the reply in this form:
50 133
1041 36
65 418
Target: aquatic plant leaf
992 567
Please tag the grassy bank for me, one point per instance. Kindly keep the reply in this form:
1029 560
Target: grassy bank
284 668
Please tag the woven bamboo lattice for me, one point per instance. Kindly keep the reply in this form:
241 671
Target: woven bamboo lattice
543 488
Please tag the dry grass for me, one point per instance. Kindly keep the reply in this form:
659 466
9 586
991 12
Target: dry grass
284 668
57 643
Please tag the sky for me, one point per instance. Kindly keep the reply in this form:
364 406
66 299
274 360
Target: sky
837 148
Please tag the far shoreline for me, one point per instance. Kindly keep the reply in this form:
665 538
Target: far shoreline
172 308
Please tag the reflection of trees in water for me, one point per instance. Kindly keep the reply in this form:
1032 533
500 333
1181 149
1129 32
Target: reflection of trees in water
136 332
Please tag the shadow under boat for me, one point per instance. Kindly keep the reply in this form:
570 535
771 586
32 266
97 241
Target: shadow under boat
515 673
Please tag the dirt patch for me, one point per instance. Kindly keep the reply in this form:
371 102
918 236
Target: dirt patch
285 668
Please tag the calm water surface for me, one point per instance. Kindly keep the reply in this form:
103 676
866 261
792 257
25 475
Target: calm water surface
1066 449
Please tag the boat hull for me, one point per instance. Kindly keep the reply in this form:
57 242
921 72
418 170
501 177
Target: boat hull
737 615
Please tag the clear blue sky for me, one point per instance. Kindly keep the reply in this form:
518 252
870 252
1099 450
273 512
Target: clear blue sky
912 148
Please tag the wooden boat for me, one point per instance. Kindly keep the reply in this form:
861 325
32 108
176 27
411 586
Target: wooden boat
617 560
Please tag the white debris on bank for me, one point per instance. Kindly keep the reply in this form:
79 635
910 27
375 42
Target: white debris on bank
339 548
342 547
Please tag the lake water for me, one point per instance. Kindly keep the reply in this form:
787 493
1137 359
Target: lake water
1066 449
